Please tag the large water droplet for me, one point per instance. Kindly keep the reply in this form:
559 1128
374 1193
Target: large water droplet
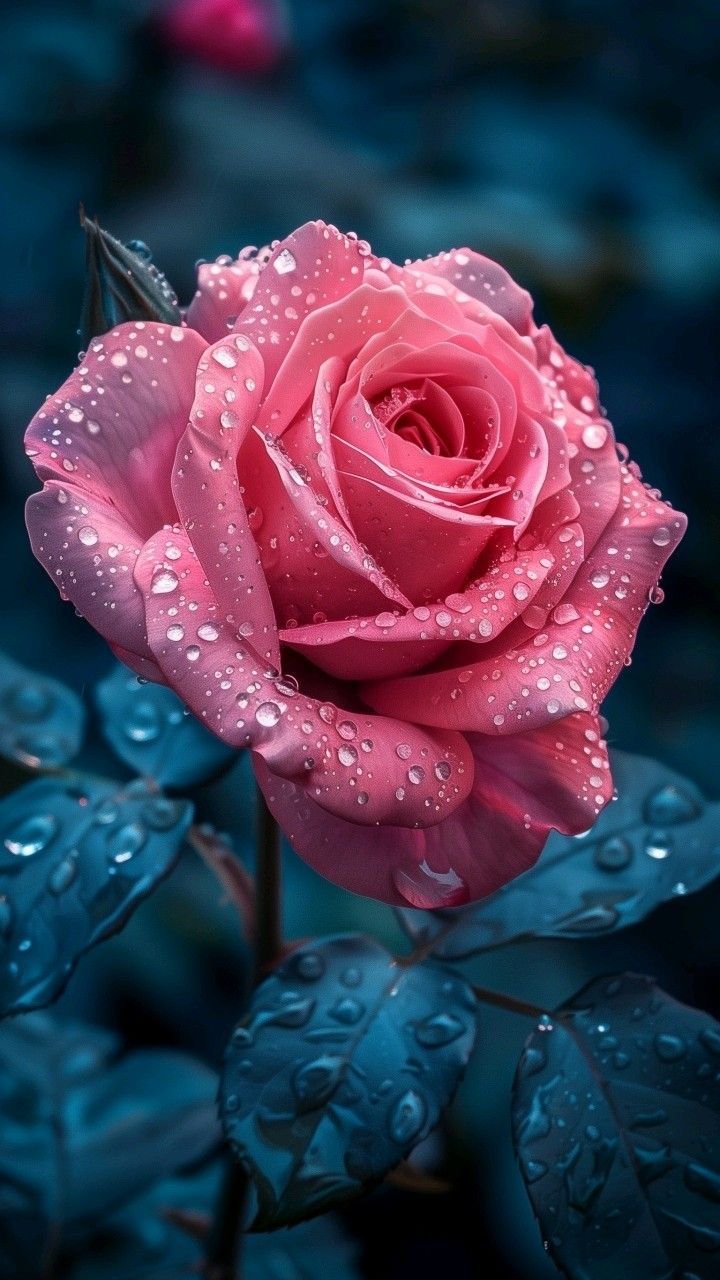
668 1047
407 1117
62 876
439 1030
31 835
123 843
315 1082
142 722
659 845
613 854
163 581
268 714
669 805
284 262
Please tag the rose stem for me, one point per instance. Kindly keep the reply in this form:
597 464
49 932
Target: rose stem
226 1235
509 1003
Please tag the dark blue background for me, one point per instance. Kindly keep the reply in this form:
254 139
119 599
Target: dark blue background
577 142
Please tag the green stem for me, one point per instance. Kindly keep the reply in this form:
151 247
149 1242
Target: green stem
224 1244
268 886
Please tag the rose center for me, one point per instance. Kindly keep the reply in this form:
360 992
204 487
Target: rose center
416 413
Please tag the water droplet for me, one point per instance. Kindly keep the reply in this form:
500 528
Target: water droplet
439 1030
407 1117
122 844
670 804
659 845
208 632
31 835
669 1048
416 775
347 755
661 536
62 876
225 357
284 262
613 854
268 714
88 536
442 770
594 436
347 1010
310 966
163 581
315 1082
160 813
142 722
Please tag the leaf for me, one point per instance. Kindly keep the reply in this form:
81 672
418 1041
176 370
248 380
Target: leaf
82 1134
76 859
121 284
142 1241
659 840
616 1120
148 727
41 721
342 1065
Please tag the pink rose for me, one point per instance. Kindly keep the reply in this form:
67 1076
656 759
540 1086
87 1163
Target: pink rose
376 529
232 35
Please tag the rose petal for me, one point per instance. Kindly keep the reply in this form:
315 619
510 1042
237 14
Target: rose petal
369 648
112 429
223 292
336 756
524 786
525 681
208 489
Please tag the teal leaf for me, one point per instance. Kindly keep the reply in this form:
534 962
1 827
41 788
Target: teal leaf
344 1062
41 721
658 841
153 733
616 1121
76 859
83 1132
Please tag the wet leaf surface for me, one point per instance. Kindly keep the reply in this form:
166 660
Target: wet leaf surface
41 721
658 841
83 1133
343 1064
616 1120
76 858
151 731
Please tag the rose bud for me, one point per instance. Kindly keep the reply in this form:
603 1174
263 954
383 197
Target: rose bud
121 283
370 522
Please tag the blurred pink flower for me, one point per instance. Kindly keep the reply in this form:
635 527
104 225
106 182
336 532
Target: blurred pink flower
232 35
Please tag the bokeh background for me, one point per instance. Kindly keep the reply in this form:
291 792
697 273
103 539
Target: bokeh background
576 141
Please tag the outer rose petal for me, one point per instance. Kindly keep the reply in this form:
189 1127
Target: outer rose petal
112 429
368 768
223 291
90 552
104 445
557 777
